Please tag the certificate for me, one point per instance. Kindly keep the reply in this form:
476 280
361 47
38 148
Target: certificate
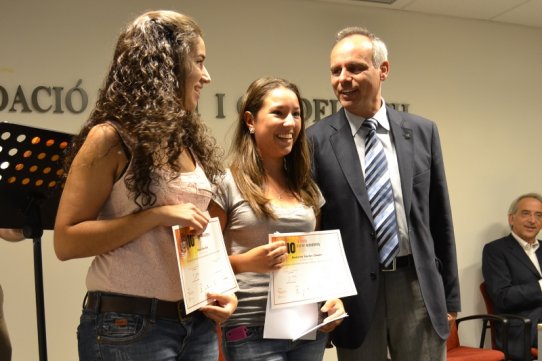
291 322
316 269
204 265
294 323
302 335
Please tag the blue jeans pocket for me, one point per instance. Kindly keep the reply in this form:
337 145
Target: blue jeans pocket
249 334
120 328
114 336
254 347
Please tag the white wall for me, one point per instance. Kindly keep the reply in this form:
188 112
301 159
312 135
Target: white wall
479 81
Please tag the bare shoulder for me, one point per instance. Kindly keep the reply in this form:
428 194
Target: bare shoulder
104 134
102 147
102 140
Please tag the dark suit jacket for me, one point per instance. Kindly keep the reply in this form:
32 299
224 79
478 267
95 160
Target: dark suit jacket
512 284
336 167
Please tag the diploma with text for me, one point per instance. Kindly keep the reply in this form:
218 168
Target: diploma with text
316 269
204 265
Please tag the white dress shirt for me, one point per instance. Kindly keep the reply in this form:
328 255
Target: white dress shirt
530 251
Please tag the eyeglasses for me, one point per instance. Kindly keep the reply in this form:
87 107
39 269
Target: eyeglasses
528 214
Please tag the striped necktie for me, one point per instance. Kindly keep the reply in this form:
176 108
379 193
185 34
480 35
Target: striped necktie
377 180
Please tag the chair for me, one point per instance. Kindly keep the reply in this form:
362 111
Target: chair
490 309
457 352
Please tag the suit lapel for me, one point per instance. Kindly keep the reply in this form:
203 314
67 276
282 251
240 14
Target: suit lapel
347 156
404 145
539 253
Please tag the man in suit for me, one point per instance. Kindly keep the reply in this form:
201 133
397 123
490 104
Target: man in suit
511 269
404 306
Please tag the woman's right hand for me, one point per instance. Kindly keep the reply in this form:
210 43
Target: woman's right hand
262 259
184 215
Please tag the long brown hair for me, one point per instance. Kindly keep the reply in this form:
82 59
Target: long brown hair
144 94
246 164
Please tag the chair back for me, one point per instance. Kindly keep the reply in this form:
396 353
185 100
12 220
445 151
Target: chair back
489 305
490 309
453 340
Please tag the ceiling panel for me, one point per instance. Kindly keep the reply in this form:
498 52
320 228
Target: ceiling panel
519 12
477 9
529 14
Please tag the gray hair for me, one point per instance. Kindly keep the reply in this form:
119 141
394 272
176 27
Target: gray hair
380 51
514 206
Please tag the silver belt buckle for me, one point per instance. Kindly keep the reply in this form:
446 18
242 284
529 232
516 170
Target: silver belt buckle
392 267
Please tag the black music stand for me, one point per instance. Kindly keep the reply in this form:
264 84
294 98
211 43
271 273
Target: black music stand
30 186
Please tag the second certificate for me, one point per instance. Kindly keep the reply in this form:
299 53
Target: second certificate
316 269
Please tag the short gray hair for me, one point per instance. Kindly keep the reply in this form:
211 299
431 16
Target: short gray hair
380 51
514 206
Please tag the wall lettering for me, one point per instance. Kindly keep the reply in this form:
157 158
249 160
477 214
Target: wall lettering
47 99
44 99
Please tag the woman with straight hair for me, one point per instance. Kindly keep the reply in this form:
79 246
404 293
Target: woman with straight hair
268 188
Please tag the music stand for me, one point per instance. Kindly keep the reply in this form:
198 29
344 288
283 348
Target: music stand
30 186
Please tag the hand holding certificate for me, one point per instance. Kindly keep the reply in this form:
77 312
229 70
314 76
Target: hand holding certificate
204 265
324 322
316 269
296 322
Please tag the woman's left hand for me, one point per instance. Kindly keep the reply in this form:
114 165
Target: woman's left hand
223 307
334 308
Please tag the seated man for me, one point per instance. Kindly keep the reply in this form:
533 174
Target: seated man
511 269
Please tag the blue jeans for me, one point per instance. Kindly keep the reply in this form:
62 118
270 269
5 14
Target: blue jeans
255 348
112 336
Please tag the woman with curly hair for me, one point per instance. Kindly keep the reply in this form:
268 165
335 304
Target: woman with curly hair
142 163
268 189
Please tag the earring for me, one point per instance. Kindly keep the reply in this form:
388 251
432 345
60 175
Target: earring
251 130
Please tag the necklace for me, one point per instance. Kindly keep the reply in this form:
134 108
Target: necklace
279 196
276 194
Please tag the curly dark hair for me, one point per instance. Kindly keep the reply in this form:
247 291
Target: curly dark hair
245 162
144 95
